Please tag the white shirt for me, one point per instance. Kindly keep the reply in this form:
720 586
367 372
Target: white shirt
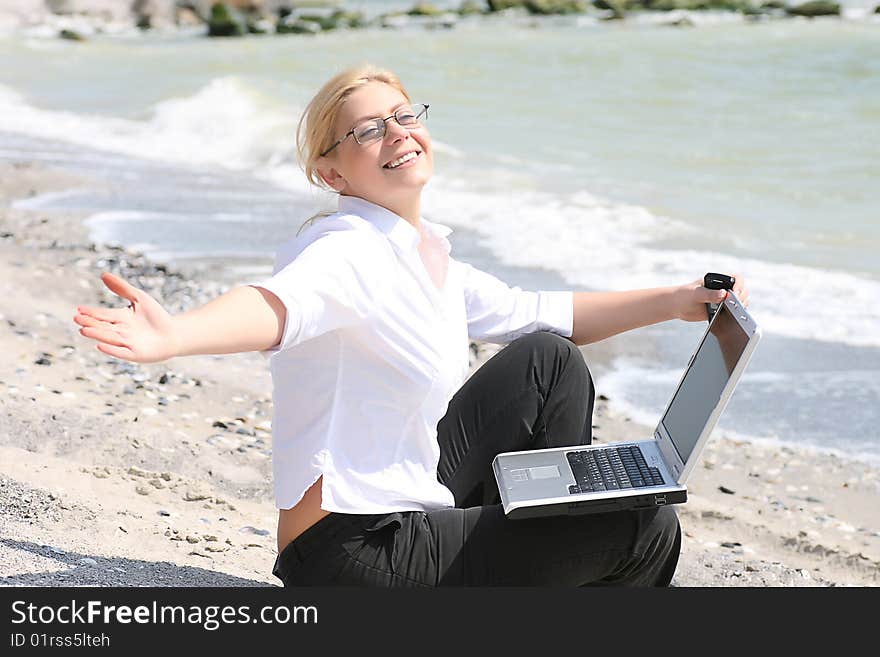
373 349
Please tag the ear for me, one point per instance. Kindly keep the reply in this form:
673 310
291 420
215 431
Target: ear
332 177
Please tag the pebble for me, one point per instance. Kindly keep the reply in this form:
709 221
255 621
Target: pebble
86 561
196 494
247 529
725 489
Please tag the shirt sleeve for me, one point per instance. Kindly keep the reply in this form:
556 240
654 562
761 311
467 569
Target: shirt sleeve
324 288
499 313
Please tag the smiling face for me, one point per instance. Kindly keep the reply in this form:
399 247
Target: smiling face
390 172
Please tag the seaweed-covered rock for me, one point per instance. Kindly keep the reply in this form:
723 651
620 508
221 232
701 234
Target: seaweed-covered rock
472 7
501 5
71 35
614 6
424 9
225 22
551 7
815 8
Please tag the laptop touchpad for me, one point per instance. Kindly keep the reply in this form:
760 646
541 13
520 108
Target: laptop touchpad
544 472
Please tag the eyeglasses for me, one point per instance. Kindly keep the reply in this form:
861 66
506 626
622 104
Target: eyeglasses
373 130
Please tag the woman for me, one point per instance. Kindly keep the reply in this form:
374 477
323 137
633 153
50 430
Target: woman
381 457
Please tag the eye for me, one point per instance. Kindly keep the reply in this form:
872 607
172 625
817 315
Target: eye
406 116
369 131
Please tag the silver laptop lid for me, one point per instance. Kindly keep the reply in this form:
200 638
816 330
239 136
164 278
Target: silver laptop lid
706 386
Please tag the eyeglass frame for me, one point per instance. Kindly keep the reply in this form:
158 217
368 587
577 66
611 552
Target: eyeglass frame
350 133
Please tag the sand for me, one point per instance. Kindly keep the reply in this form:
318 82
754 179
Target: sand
130 475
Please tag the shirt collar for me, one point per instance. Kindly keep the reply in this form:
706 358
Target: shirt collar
395 227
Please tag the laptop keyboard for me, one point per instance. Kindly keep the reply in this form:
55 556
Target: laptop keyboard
611 469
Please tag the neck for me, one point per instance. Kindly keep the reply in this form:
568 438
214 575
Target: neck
409 209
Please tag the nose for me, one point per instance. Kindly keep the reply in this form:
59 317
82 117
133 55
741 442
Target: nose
395 132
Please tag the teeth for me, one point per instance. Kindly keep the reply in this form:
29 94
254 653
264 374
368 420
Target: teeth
401 160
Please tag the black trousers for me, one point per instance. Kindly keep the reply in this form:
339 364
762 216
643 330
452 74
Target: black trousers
536 392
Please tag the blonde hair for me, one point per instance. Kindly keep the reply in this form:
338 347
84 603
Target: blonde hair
315 132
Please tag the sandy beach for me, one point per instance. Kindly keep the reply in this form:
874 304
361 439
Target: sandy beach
159 475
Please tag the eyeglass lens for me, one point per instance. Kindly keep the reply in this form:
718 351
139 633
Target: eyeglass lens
374 129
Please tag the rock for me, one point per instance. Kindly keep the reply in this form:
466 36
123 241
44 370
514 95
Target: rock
725 489
71 35
815 8
290 25
192 538
501 5
86 561
196 493
247 529
142 490
470 8
225 22
552 7
613 6
187 17
424 9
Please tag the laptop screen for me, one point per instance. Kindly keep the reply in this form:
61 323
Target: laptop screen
701 388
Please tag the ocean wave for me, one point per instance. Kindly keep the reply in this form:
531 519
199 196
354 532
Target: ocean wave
225 123
594 243
639 390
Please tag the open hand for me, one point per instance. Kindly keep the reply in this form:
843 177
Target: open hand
142 333
693 297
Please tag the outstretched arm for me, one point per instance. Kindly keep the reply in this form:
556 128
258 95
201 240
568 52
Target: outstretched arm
599 315
244 319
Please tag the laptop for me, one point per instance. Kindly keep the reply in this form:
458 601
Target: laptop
640 474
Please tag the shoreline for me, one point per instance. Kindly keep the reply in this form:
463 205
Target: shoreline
103 18
121 474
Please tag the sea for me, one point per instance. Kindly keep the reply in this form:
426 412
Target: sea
571 153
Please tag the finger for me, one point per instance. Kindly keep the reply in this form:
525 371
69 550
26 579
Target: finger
103 335
111 315
713 296
85 320
105 314
117 352
120 286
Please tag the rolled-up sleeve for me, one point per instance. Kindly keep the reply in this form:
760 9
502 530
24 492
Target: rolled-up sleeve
497 312
324 288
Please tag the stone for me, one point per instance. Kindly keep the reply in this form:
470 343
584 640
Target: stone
196 495
815 8
551 7
225 22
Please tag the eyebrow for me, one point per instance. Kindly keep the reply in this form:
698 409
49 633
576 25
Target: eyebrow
377 116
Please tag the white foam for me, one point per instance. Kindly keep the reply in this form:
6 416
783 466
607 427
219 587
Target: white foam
225 123
596 244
